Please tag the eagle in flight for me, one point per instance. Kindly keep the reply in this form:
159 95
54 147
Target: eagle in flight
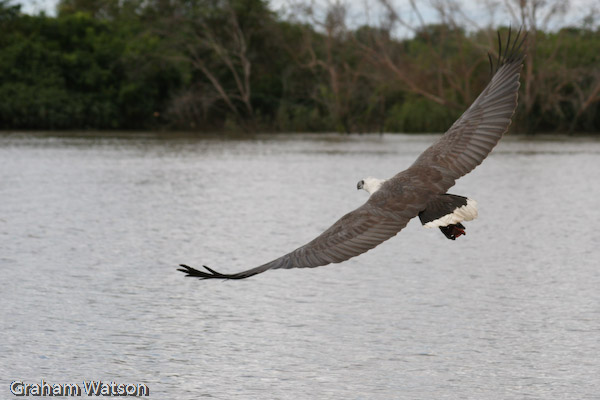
420 190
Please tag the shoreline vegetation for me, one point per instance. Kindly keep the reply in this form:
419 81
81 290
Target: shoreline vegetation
193 135
237 66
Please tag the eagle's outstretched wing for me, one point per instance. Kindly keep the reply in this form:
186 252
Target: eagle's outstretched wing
473 136
458 151
385 213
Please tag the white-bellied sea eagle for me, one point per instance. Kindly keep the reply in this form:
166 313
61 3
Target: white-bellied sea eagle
421 189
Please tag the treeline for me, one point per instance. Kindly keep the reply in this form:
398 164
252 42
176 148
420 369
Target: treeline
213 65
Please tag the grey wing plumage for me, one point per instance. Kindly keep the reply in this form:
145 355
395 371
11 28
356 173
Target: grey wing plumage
473 136
388 210
353 234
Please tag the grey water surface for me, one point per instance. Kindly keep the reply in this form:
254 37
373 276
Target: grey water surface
92 228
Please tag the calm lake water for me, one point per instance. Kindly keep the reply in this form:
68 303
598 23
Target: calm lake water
91 229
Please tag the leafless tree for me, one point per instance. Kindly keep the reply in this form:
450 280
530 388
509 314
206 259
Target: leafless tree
431 78
587 93
533 16
231 50
320 52
217 47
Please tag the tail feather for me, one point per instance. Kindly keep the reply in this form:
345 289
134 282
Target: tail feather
446 212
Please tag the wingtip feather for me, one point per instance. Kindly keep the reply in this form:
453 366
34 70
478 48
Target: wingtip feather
211 274
512 51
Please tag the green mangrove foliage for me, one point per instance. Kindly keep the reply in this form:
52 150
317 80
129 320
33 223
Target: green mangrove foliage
213 65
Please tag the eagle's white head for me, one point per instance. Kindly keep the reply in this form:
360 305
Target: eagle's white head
370 184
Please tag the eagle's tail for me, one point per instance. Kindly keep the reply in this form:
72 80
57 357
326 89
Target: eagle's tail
446 212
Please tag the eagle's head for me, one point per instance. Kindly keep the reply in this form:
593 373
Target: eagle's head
370 184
